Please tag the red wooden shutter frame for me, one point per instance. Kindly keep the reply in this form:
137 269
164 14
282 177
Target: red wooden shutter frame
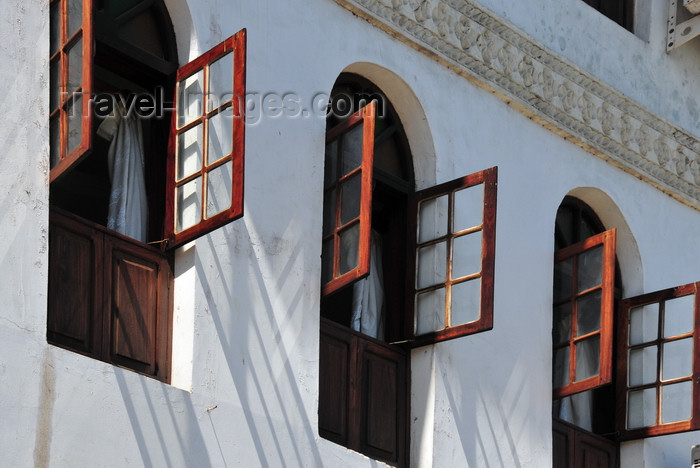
489 178
237 44
624 308
607 240
367 115
85 33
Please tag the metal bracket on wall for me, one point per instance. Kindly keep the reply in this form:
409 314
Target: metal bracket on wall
682 25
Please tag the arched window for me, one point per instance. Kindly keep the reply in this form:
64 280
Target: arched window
131 180
400 269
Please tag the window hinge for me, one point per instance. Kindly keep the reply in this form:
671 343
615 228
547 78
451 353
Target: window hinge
163 243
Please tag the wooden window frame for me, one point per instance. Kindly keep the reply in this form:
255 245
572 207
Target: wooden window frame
607 240
65 97
365 116
625 307
489 179
237 45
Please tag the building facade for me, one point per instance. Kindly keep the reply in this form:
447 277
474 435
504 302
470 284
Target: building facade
494 264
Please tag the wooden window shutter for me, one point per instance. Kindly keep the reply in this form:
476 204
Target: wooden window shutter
584 282
454 245
207 143
71 68
347 211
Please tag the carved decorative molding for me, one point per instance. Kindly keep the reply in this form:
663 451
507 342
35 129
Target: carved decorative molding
551 91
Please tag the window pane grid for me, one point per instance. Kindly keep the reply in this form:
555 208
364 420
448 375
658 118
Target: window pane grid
672 359
448 238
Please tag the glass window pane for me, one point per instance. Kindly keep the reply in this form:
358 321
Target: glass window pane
75 16
588 315
75 66
644 324
678 315
329 201
590 268
432 218
350 191
642 366
676 402
352 148
189 152
55 85
330 167
468 208
466 255
74 110
430 311
55 135
190 98
561 330
641 408
188 204
220 138
327 261
220 82
561 367
55 25
677 359
432 265
466 302
587 358
219 189
349 247
562 279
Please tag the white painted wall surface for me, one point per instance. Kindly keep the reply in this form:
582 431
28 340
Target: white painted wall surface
247 296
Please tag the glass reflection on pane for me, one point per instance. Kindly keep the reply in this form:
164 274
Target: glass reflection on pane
55 25
190 99
432 218
75 16
678 315
350 199
220 139
562 279
352 148
641 408
349 246
468 207
219 189
561 331
677 359
432 265
55 85
220 82
466 255
587 358
430 311
74 110
644 324
588 315
642 366
75 67
590 268
465 304
676 402
189 152
188 204
561 367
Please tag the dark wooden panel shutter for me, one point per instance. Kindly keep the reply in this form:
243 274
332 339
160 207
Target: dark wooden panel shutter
335 363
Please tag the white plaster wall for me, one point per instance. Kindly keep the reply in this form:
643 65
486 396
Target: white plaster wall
248 294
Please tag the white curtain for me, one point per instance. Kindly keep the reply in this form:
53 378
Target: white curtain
368 295
578 408
128 207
